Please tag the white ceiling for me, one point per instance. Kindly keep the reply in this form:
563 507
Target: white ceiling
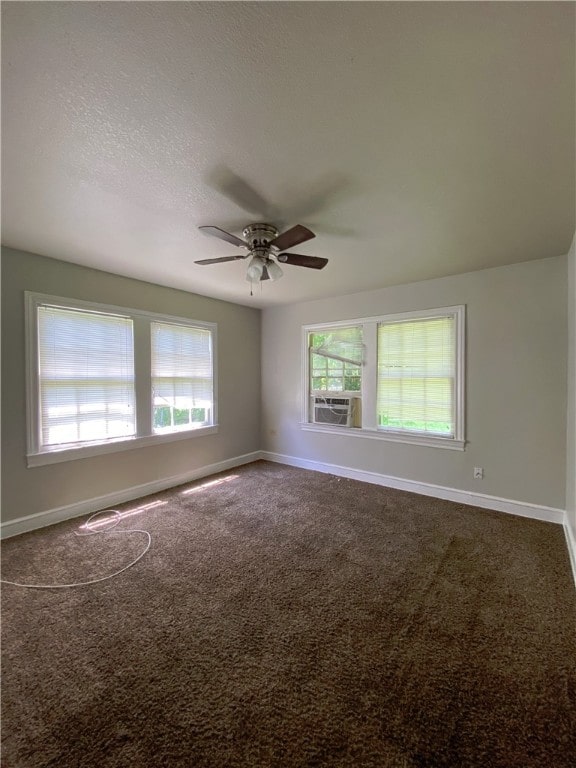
416 139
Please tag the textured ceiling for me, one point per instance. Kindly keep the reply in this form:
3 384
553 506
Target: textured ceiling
416 139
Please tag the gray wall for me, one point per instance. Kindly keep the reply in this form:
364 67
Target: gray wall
571 413
28 491
516 383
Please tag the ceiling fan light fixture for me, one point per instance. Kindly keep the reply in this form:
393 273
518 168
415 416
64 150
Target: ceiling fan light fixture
255 270
274 271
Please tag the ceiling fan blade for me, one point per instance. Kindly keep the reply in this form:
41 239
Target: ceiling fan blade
217 232
240 192
220 259
292 237
299 260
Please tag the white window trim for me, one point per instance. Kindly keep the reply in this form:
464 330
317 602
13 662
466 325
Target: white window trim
37 456
369 381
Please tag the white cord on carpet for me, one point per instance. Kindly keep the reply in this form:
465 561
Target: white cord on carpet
92 533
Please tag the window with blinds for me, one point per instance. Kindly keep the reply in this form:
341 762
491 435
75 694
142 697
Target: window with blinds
402 374
85 376
182 385
102 378
416 376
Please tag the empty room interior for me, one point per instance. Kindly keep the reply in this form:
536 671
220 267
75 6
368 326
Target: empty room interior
288 384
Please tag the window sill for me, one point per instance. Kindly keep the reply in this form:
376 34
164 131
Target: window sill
86 451
394 437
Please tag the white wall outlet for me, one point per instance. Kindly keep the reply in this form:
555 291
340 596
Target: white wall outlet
478 473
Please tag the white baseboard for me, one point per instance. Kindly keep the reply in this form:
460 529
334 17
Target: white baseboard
51 516
571 542
522 508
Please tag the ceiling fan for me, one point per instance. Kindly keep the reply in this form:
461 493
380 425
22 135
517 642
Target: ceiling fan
266 247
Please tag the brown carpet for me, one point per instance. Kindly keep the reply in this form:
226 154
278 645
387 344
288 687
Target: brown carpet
290 618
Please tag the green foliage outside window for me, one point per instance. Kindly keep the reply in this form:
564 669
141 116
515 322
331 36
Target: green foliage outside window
438 427
162 416
181 416
168 415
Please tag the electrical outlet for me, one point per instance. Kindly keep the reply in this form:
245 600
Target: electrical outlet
478 473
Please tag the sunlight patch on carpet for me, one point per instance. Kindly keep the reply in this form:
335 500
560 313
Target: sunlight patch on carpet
209 484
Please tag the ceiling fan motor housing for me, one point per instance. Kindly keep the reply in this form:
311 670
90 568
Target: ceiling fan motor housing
258 237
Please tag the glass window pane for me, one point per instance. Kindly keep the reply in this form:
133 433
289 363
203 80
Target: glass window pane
336 357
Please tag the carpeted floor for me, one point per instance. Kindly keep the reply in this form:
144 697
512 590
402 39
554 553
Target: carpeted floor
290 618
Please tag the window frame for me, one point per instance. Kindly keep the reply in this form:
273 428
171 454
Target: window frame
36 454
369 428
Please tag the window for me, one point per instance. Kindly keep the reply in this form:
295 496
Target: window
401 376
336 360
416 376
103 378
85 376
181 377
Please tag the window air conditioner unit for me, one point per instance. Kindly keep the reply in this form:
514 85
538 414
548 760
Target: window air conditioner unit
338 411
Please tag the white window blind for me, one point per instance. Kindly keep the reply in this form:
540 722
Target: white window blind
182 379
416 376
86 376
